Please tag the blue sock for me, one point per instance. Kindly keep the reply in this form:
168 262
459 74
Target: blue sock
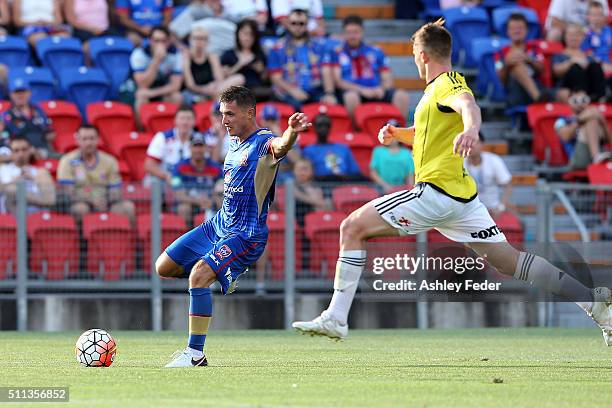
200 315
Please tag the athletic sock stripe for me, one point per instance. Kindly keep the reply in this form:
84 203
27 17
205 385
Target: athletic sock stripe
526 265
353 264
522 274
397 204
352 258
395 197
383 207
357 261
531 259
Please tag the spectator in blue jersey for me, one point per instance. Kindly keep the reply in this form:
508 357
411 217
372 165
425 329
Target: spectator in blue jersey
598 38
193 180
330 161
361 71
140 17
28 120
295 64
584 132
158 71
392 166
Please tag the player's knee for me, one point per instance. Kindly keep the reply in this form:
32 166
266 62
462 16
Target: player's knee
350 229
166 267
202 275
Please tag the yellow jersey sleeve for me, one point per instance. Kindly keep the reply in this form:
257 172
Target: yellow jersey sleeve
450 85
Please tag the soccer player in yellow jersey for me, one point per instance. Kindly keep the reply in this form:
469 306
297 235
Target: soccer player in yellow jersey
446 125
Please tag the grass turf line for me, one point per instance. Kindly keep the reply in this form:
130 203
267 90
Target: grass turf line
543 367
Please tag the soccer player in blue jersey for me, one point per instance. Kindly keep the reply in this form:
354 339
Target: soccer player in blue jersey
222 248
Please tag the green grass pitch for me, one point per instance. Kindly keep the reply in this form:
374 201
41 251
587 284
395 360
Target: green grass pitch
382 368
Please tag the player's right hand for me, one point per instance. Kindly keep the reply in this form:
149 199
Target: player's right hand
385 134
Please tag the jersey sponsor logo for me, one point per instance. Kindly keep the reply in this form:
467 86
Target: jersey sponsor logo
231 189
244 159
486 233
224 252
214 260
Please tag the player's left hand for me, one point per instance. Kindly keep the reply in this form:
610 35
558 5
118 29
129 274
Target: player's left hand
464 141
299 122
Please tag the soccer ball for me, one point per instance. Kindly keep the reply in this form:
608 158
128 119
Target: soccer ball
95 348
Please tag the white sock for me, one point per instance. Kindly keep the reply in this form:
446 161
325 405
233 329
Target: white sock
195 354
349 267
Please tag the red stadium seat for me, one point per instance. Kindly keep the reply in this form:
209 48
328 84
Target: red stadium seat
284 109
546 145
132 147
511 226
371 116
198 219
8 246
4 106
361 144
124 170
110 245
139 195
111 119
341 121
323 231
548 48
540 6
49 164
600 174
307 139
54 250
348 198
435 237
172 226
202 114
390 246
158 116
279 198
276 245
65 120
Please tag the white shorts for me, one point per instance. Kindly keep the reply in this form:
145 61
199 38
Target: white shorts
424 208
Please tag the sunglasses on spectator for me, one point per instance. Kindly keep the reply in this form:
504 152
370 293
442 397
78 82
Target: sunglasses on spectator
577 100
199 37
298 23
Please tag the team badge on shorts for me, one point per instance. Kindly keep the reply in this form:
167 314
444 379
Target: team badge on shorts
403 222
223 252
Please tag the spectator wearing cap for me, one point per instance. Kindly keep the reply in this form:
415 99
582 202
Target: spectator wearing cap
90 178
295 65
270 118
193 180
28 120
331 161
170 147
140 17
392 166
361 71
158 70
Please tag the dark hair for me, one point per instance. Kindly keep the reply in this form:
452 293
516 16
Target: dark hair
87 126
243 96
184 108
435 39
17 138
247 22
352 19
160 28
299 11
518 17
596 4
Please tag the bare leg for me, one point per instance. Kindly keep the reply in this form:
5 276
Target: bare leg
351 100
401 100
521 74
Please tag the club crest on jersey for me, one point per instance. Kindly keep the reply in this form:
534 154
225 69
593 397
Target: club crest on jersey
244 159
228 177
224 252
403 221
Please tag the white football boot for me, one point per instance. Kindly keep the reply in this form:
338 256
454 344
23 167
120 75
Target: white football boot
324 325
601 312
182 358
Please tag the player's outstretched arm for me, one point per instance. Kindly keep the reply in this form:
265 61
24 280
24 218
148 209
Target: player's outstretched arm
466 106
298 122
389 132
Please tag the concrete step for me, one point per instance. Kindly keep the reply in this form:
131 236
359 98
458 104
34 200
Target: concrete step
404 67
519 163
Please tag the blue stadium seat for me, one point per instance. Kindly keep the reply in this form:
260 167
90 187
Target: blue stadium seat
487 81
41 82
14 51
466 23
112 54
84 85
501 15
57 53
431 10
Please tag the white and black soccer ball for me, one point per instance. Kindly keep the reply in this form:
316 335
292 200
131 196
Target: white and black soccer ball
96 348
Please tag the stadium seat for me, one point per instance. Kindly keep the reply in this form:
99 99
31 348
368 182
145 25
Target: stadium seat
14 52
341 121
390 246
606 110
49 164
600 174
546 145
202 114
66 120
540 7
199 219
488 84
548 48
431 10
4 106
172 226
371 116
323 230
84 86
124 170
139 195
511 226
131 147
500 19
276 245
284 109
112 55
111 118
348 198
466 23
110 245
41 81
8 246
361 146
307 138
54 249
58 53
158 116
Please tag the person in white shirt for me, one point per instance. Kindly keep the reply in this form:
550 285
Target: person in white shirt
169 147
563 12
282 8
492 177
